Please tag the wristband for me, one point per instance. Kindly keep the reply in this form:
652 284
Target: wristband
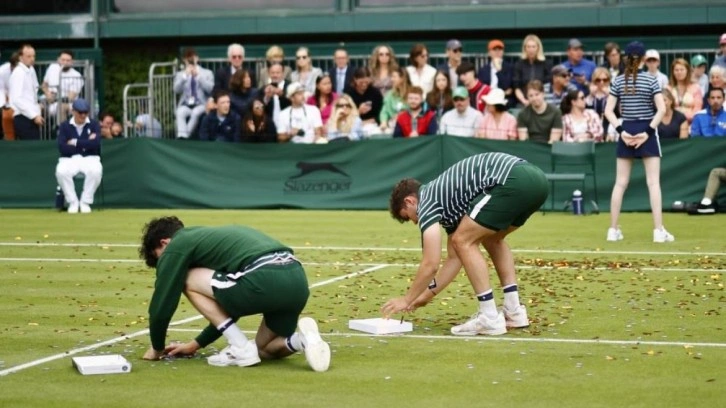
619 129
650 131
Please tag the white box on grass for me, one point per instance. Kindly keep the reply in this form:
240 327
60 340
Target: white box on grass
380 326
110 364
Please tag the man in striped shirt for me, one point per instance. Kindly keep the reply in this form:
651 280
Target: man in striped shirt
226 273
478 201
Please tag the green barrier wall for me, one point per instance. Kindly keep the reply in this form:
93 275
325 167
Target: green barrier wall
150 173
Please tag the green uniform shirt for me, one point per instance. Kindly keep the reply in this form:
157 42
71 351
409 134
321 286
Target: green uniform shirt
227 248
446 198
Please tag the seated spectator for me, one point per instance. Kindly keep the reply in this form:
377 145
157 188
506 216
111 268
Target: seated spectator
324 97
497 124
146 126
382 64
416 120
62 83
117 130
193 85
274 92
674 124
539 121
579 124
222 124
708 204
711 121
241 92
345 124
652 64
477 90
532 65
367 98
7 118
699 64
420 72
395 100
721 59
299 123
342 74
717 79
257 127
498 73
581 68
613 60
463 120
274 55
454 49
599 91
305 73
689 98
439 99
106 120
560 86
236 58
79 142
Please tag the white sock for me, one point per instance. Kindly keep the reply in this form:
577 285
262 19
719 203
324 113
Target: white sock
511 297
486 304
294 343
232 333
706 201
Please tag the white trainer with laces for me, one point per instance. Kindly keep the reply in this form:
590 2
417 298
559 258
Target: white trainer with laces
614 234
517 318
73 208
480 324
232 355
661 235
85 208
317 351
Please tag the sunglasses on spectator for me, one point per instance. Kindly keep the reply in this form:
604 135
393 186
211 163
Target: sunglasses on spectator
456 50
302 57
601 80
343 105
236 57
459 99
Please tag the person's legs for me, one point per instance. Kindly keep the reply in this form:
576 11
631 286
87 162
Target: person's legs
8 126
93 170
182 114
622 178
652 177
270 344
715 178
196 113
25 129
65 170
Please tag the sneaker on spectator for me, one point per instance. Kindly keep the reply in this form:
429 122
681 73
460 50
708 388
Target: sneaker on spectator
661 235
85 208
706 209
480 324
317 351
73 208
232 355
614 234
517 318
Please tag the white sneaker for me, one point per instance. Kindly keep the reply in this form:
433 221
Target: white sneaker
517 318
232 355
73 208
480 324
317 351
661 235
614 234
85 208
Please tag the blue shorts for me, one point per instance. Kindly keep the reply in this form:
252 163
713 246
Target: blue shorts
651 147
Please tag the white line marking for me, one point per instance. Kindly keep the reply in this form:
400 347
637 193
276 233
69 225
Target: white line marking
390 249
34 363
524 267
512 339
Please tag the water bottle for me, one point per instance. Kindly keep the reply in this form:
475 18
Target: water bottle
59 199
577 202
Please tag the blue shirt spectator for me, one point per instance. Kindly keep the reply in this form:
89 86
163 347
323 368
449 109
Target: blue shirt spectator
580 67
711 121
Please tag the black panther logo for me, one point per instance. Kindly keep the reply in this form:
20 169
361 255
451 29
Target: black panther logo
307 168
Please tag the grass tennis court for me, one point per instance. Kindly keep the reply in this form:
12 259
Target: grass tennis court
626 324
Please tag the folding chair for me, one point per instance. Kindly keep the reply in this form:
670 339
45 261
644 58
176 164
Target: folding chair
580 155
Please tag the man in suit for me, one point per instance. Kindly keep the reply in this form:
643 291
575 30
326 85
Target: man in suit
453 52
342 74
236 57
498 73
275 93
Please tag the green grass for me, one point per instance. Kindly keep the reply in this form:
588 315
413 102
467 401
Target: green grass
632 323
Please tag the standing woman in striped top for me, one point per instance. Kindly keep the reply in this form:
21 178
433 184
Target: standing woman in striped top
642 108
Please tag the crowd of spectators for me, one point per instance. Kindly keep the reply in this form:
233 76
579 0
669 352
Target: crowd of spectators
530 99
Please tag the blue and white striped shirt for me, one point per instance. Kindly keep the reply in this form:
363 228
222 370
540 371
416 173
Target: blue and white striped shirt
638 105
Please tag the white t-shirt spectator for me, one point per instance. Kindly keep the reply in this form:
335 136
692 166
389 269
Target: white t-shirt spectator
465 125
67 82
306 118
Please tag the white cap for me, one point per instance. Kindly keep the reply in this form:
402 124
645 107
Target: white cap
652 54
495 97
294 88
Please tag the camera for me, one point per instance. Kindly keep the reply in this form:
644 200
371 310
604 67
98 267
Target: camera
273 84
300 133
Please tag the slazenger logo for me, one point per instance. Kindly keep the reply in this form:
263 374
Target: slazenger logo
318 178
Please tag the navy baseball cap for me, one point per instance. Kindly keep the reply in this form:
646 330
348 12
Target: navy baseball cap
80 105
635 48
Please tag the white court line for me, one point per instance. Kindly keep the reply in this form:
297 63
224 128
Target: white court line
512 339
389 249
34 363
524 267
